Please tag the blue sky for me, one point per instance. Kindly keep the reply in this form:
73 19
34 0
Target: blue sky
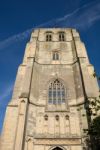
18 18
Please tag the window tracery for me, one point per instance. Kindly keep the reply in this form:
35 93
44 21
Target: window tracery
56 92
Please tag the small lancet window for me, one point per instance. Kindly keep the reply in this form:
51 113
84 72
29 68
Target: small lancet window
55 56
61 36
56 92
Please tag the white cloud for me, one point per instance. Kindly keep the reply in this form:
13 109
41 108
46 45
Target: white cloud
81 18
5 94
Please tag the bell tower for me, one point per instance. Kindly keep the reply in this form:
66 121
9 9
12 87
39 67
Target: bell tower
52 84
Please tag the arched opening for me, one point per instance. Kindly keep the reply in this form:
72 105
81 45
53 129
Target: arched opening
56 92
57 148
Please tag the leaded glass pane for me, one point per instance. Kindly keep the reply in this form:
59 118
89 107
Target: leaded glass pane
63 93
50 93
59 101
58 94
50 100
63 100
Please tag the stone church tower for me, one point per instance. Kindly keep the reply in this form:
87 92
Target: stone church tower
52 84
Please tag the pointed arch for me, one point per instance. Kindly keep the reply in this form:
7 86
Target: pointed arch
57 148
56 92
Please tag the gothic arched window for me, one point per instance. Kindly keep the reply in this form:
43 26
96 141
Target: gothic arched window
55 56
61 36
57 148
56 92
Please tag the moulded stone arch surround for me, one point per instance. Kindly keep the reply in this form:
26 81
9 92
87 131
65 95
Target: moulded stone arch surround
53 79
